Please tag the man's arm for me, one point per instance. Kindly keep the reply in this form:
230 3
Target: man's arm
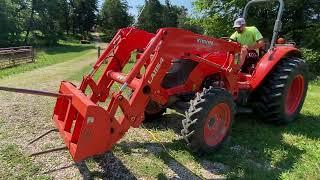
259 44
233 37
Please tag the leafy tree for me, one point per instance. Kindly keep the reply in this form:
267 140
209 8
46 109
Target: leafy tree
216 16
50 19
64 22
302 22
184 22
30 22
84 15
170 15
151 17
14 12
300 16
4 31
156 15
49 13
114 15
27 21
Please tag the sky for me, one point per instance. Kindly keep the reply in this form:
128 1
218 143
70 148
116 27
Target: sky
135 3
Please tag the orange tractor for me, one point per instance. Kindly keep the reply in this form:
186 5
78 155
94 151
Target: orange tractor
194 74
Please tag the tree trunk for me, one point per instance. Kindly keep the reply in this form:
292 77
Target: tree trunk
30 23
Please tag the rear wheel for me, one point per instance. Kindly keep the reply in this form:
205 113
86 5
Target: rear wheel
208 120
283 93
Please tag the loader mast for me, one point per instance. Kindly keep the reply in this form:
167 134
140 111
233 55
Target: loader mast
84 124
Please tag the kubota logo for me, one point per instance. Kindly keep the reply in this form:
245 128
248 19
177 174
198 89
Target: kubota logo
205 42
155 71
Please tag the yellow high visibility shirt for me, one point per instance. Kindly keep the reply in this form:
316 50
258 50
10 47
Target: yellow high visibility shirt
248 37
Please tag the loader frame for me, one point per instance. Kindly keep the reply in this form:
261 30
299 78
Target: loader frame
89 129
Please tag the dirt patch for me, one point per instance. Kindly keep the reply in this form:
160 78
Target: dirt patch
23 117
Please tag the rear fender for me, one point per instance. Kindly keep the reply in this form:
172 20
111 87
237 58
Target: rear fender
269 61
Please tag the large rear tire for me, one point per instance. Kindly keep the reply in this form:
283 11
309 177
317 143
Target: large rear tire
282 95
208 120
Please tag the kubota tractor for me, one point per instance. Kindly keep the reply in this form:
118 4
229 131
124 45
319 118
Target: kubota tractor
194 74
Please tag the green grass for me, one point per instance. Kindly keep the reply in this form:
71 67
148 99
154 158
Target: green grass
15 165
256 150
86 70
316 81
77 77
50 56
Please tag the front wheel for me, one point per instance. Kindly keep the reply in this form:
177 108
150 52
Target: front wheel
208 120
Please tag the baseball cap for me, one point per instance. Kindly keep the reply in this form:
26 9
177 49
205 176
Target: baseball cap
239 22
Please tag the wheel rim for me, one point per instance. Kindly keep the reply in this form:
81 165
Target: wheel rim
217 124
294 95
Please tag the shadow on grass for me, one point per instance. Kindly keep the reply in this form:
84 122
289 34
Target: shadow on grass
179 169
112 167
167 121
65 48
259 150
256 150
307 125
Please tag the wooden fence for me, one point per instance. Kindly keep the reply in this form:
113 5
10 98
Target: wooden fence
14 56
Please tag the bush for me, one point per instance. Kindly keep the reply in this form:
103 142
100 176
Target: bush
313 59
108 35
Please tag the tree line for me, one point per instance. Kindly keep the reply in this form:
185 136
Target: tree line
154 15
301 22
44 22
301 19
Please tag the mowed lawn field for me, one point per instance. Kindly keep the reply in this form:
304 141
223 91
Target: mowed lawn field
49 56
156 150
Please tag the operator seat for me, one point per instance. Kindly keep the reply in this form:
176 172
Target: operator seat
253 58
250 62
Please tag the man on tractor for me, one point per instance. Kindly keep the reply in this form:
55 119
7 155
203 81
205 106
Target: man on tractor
249 37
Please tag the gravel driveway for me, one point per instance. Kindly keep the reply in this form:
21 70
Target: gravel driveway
26 116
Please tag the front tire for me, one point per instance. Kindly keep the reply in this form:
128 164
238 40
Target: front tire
282 95
208 120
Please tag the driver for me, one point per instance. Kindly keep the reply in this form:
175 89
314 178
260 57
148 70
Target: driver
249 37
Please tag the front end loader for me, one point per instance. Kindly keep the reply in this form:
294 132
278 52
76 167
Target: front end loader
89 129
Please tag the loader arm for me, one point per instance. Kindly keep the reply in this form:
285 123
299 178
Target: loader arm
89 129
